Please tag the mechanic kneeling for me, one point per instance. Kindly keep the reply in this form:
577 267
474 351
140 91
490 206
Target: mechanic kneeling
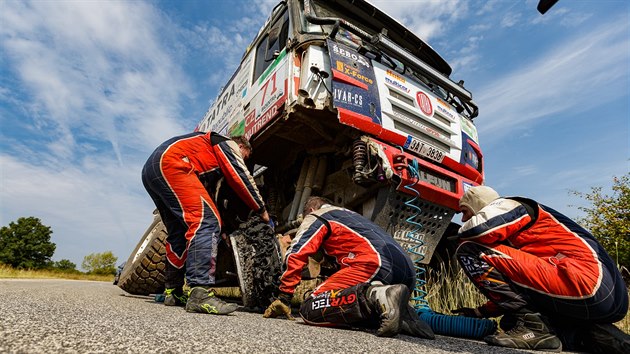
372 286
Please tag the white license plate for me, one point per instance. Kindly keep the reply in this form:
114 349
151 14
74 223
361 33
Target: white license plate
425 149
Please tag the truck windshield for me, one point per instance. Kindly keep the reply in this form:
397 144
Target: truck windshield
321 9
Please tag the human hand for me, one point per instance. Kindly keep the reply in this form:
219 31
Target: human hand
226 239
468 312
280 306
265 216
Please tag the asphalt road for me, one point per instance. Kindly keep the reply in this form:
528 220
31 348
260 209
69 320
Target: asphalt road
67 316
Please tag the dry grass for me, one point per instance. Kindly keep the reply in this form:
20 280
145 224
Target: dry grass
7 272
451 289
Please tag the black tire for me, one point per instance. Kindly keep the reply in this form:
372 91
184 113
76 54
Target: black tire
257 258
444 256
143 273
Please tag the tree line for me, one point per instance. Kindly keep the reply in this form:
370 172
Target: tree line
25 244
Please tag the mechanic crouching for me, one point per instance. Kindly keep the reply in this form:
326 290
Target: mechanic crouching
371 289
554 284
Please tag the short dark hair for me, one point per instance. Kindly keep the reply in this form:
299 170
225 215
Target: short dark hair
241 140
315 203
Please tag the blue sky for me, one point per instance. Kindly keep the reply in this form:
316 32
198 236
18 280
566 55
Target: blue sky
88 89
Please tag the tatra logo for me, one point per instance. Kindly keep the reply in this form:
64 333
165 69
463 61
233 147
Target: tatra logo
424 102
222 101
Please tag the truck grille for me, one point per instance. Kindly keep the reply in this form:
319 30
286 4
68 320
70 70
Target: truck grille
408 123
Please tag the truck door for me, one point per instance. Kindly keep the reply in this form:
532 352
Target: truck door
269 86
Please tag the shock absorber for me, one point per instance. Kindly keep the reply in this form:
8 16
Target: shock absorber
359 159
272 201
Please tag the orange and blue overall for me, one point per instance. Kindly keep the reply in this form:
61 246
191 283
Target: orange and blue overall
525 255
174 176
363 253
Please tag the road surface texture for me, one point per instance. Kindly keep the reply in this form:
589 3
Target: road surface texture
69 316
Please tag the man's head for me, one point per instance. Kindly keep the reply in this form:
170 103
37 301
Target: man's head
314 203
474 199
244 146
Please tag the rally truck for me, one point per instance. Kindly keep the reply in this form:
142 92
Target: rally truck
342 101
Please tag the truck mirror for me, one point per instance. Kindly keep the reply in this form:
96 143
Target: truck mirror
545 5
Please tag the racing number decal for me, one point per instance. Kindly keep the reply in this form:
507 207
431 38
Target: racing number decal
273 88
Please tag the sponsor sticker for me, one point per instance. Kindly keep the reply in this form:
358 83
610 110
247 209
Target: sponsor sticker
348 97
352 72
353 82
348 53
443 109
396 84
396 76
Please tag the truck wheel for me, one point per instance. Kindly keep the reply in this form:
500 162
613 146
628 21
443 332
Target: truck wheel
143 273
444 256
257 257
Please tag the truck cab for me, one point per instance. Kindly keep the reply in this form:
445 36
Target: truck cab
342 101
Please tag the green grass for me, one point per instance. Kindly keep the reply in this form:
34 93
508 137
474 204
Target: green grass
7 272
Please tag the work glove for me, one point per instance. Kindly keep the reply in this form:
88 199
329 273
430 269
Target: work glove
468 312
280 306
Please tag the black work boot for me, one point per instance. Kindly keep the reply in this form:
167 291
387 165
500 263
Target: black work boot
389 302
175 297
530 332
205 301
412 325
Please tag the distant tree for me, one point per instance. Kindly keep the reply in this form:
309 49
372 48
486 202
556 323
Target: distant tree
64 265
608 218
100 263
26 244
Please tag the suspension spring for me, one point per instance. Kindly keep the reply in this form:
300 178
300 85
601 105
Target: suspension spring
359 159
272 201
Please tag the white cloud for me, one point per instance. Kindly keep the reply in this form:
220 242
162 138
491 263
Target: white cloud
525 170
468 55
488 7
563 16
510 20
93 88
582 73
427 19
96 69
93 206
